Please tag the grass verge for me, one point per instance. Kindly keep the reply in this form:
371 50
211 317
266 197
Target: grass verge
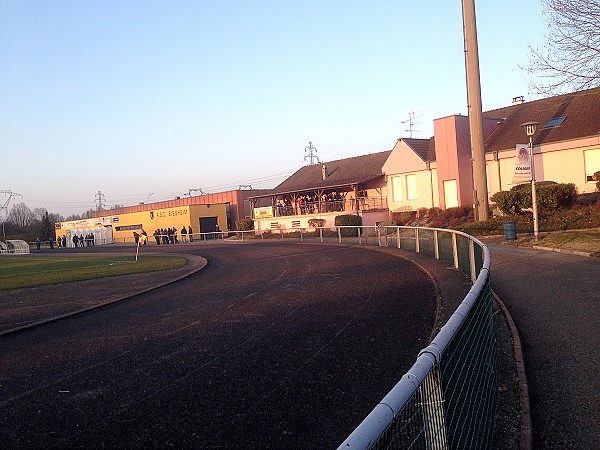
580 240
19 271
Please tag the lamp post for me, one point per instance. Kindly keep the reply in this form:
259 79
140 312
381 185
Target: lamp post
529 128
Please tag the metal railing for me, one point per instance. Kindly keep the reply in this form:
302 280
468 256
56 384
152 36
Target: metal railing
447 400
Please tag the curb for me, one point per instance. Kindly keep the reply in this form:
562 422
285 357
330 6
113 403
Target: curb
202 263
562 250
525 441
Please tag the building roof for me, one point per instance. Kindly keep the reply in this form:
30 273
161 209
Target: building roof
419 146
343 172
580 110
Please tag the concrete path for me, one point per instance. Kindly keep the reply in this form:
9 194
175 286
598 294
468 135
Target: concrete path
554 300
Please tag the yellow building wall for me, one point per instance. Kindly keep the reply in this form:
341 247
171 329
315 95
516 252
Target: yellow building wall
124 225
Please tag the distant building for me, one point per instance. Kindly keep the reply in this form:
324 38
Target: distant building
204 214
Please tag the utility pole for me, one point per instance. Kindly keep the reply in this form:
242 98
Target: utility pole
100 201
311 154
480 191
4 207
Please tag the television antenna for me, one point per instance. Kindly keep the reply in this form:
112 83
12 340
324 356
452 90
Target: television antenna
411 122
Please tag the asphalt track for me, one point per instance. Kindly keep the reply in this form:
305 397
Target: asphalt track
270 346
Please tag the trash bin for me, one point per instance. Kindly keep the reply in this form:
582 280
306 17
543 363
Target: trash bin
510 231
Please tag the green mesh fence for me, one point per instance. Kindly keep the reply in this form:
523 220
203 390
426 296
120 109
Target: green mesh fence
447 400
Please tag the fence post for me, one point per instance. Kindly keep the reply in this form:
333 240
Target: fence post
472 261
359 235
398 232
454 251
340 234
321 234
432 398
417 243
436 244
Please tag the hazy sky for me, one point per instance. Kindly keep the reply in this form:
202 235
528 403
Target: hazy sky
144 100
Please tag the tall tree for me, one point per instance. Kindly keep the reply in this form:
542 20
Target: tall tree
46 228
21 216
570 59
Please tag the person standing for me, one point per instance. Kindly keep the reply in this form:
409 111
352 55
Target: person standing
183 235
37 244
190 234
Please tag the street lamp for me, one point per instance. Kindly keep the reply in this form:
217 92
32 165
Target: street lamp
529 128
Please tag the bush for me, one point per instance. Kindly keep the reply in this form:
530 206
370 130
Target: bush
403 217
596 178
346 220
508 202
587 199
244 225
550 196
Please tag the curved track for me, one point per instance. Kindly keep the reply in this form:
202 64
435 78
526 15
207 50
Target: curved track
270 346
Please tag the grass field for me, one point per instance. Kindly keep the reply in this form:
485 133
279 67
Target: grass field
18 271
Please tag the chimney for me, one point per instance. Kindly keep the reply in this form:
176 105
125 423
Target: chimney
324 172
518 100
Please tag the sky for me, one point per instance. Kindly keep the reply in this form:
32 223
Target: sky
145 100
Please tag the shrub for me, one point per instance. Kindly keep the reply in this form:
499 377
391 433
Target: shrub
587 199
550 196
316 223
422 212
596 178
346 220
508 202
403 217
244 225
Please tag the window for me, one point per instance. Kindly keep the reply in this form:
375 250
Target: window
554 122
411 187
397 188
592 164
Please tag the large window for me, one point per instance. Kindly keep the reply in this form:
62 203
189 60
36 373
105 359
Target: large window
397 188
592 163
411 187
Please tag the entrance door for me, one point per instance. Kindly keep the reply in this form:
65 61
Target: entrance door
208 225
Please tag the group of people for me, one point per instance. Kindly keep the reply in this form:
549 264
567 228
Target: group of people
80 241
310 204
170 236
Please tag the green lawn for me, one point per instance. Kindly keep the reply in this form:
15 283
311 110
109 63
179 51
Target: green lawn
18 271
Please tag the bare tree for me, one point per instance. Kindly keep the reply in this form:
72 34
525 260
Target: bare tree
21 216
570 59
